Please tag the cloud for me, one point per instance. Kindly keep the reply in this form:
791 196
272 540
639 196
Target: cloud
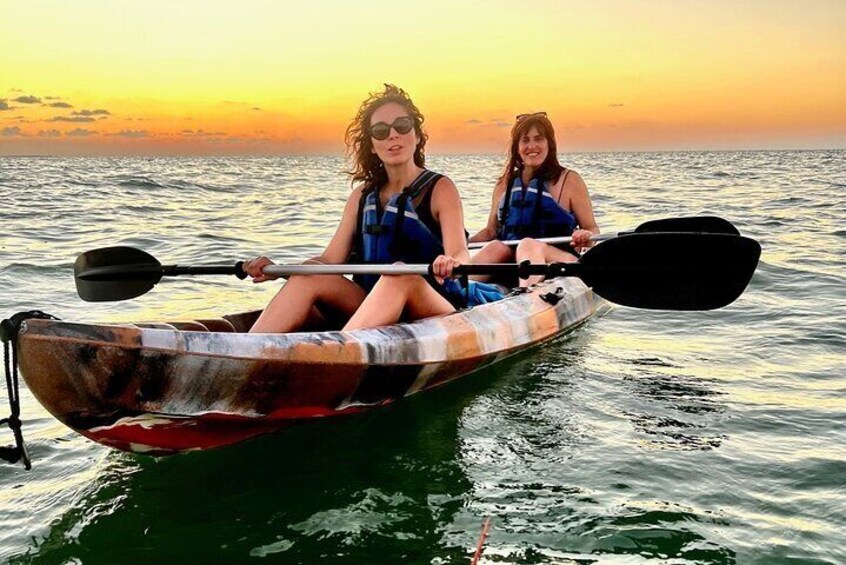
495 122
98 112
28 100
202 133
257 109
74 119
59 105
79 132
11 132
616 105
49 133
132 134
5 105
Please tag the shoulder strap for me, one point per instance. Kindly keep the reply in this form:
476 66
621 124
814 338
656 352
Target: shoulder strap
539 201
563 182
424 180
506 203
358 242
423 207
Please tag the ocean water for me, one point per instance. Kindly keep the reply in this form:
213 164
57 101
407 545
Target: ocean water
644 437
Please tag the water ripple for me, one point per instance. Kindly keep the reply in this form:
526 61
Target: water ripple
645 437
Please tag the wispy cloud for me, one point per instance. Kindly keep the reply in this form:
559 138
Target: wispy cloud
495 122
201 133
28 99
11 132
49 133
5 105
59 105
79 132
74 119
98 112
616 105
132 133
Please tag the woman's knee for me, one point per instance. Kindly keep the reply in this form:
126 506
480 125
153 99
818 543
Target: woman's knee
501 252
314 285
529 246
399 283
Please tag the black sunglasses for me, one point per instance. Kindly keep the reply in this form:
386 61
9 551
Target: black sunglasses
521 117
381 130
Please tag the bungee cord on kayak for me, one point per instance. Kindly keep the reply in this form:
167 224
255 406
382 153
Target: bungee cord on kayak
9 330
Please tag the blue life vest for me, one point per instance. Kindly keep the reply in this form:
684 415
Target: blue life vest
531 211
397 233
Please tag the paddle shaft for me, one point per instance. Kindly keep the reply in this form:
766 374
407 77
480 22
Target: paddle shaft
596 238
524 270
132 272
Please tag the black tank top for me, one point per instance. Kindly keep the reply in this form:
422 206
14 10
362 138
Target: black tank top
424 210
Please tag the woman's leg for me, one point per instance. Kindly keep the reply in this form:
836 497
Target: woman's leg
538 252
293 304
493 252
394 294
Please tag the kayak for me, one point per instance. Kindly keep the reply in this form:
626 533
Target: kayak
161 388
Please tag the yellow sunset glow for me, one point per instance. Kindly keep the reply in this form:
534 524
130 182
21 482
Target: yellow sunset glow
285 76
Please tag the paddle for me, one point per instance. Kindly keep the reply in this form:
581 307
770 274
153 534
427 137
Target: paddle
674 271
697 224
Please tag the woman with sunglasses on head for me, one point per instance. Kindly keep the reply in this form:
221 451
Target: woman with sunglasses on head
536 197
399 212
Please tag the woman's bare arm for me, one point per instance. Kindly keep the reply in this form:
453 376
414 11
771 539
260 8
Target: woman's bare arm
488 232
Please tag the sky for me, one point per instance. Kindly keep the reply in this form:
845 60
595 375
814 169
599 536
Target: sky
189 77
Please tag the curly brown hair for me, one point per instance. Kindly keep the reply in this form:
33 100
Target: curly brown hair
366 165
550 169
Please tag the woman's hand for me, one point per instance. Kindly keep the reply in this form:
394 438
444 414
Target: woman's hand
253 268
581 239
443 266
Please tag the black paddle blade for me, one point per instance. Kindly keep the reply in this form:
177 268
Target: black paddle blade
671 271
115 273
698 224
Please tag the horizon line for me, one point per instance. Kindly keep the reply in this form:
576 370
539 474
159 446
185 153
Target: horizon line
438 154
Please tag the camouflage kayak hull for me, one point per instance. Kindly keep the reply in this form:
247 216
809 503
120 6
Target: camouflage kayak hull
165 388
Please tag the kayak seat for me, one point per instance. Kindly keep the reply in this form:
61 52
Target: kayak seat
218 325
243 321
154 325
189 326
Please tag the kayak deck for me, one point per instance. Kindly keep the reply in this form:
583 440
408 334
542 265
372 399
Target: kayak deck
157 389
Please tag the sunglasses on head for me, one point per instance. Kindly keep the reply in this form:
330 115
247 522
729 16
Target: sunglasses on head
381 130
521 117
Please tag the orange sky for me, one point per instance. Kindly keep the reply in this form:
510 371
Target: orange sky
285 76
